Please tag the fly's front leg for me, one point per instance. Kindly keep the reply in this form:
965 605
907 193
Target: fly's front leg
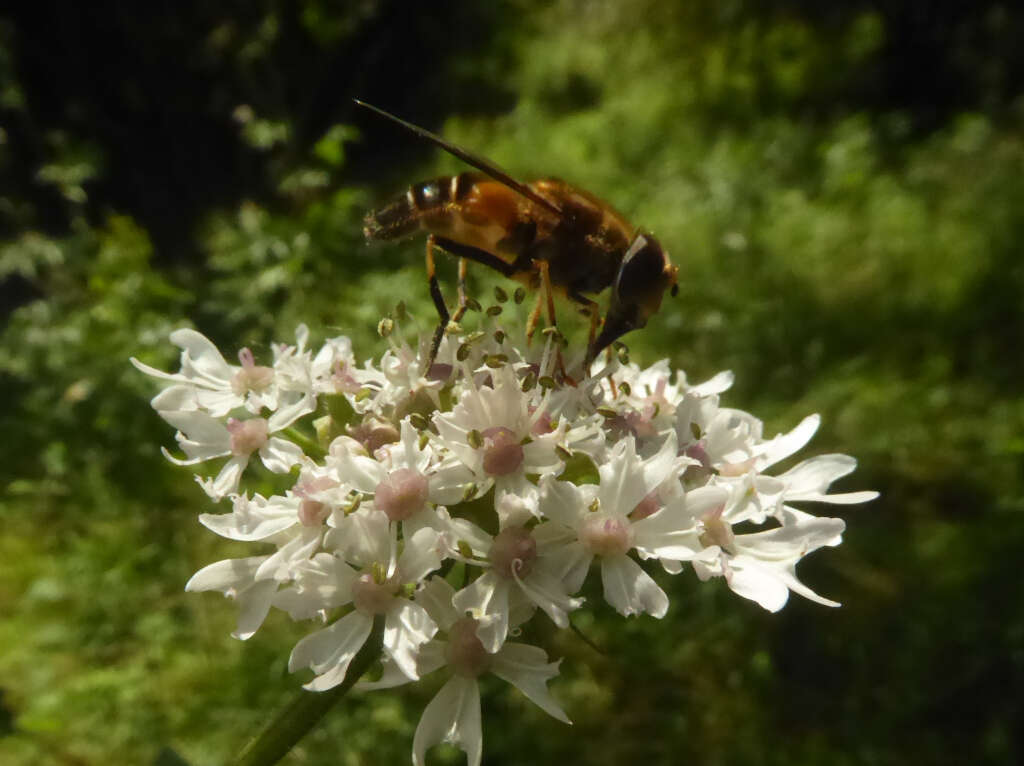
438 298
547 294
592 310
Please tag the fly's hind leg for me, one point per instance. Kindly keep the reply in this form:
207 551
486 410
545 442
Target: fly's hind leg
439 304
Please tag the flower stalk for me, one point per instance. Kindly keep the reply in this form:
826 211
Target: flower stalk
304 712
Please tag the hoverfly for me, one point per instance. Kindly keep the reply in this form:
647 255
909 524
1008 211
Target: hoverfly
545 234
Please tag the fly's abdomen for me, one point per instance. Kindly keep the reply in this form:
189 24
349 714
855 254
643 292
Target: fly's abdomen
426 205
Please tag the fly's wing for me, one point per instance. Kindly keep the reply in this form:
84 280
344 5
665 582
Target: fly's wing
480 163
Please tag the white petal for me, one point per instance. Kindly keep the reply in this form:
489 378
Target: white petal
622 479
220 402
568 561
289 413
671 533
448 482
191 461
235 579
390 677
280 563
486 600
513 509
176 398
784 445
252 520
361 472
253 605
226 576
200 356
406 628
563 501
159 374
365 536
721 382
747 577
527 668
279 455
629 589
436 597
422 555
452 716
799 534
810 480
329 651
411 454
788 577
549 594
226 482
199 428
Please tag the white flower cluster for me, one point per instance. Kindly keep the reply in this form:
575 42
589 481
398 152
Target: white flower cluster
486 470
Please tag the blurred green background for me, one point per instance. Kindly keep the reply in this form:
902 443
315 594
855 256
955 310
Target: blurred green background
842 186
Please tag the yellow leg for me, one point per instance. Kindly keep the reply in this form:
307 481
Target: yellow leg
545 284
461 310
531 322
549 297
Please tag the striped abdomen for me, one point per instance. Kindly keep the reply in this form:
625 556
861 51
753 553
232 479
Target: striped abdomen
425 205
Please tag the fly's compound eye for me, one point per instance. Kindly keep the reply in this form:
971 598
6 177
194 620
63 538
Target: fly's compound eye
641 274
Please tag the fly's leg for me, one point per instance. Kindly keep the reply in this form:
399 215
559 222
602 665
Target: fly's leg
531 322
438 298
592 310
548 296
461 310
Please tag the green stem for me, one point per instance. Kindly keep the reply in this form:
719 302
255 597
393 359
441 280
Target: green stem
311 447
304 712
586 639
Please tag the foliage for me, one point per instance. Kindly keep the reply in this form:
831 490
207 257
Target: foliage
849 239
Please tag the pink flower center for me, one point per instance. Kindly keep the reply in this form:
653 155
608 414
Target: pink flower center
503 454
374 434
465 654
542 425
313 513
252 377
344 381
402 493
695 475
247 436
513 552
439 373
606 536
646 507
372 597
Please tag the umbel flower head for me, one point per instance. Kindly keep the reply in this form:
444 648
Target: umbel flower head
457 502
